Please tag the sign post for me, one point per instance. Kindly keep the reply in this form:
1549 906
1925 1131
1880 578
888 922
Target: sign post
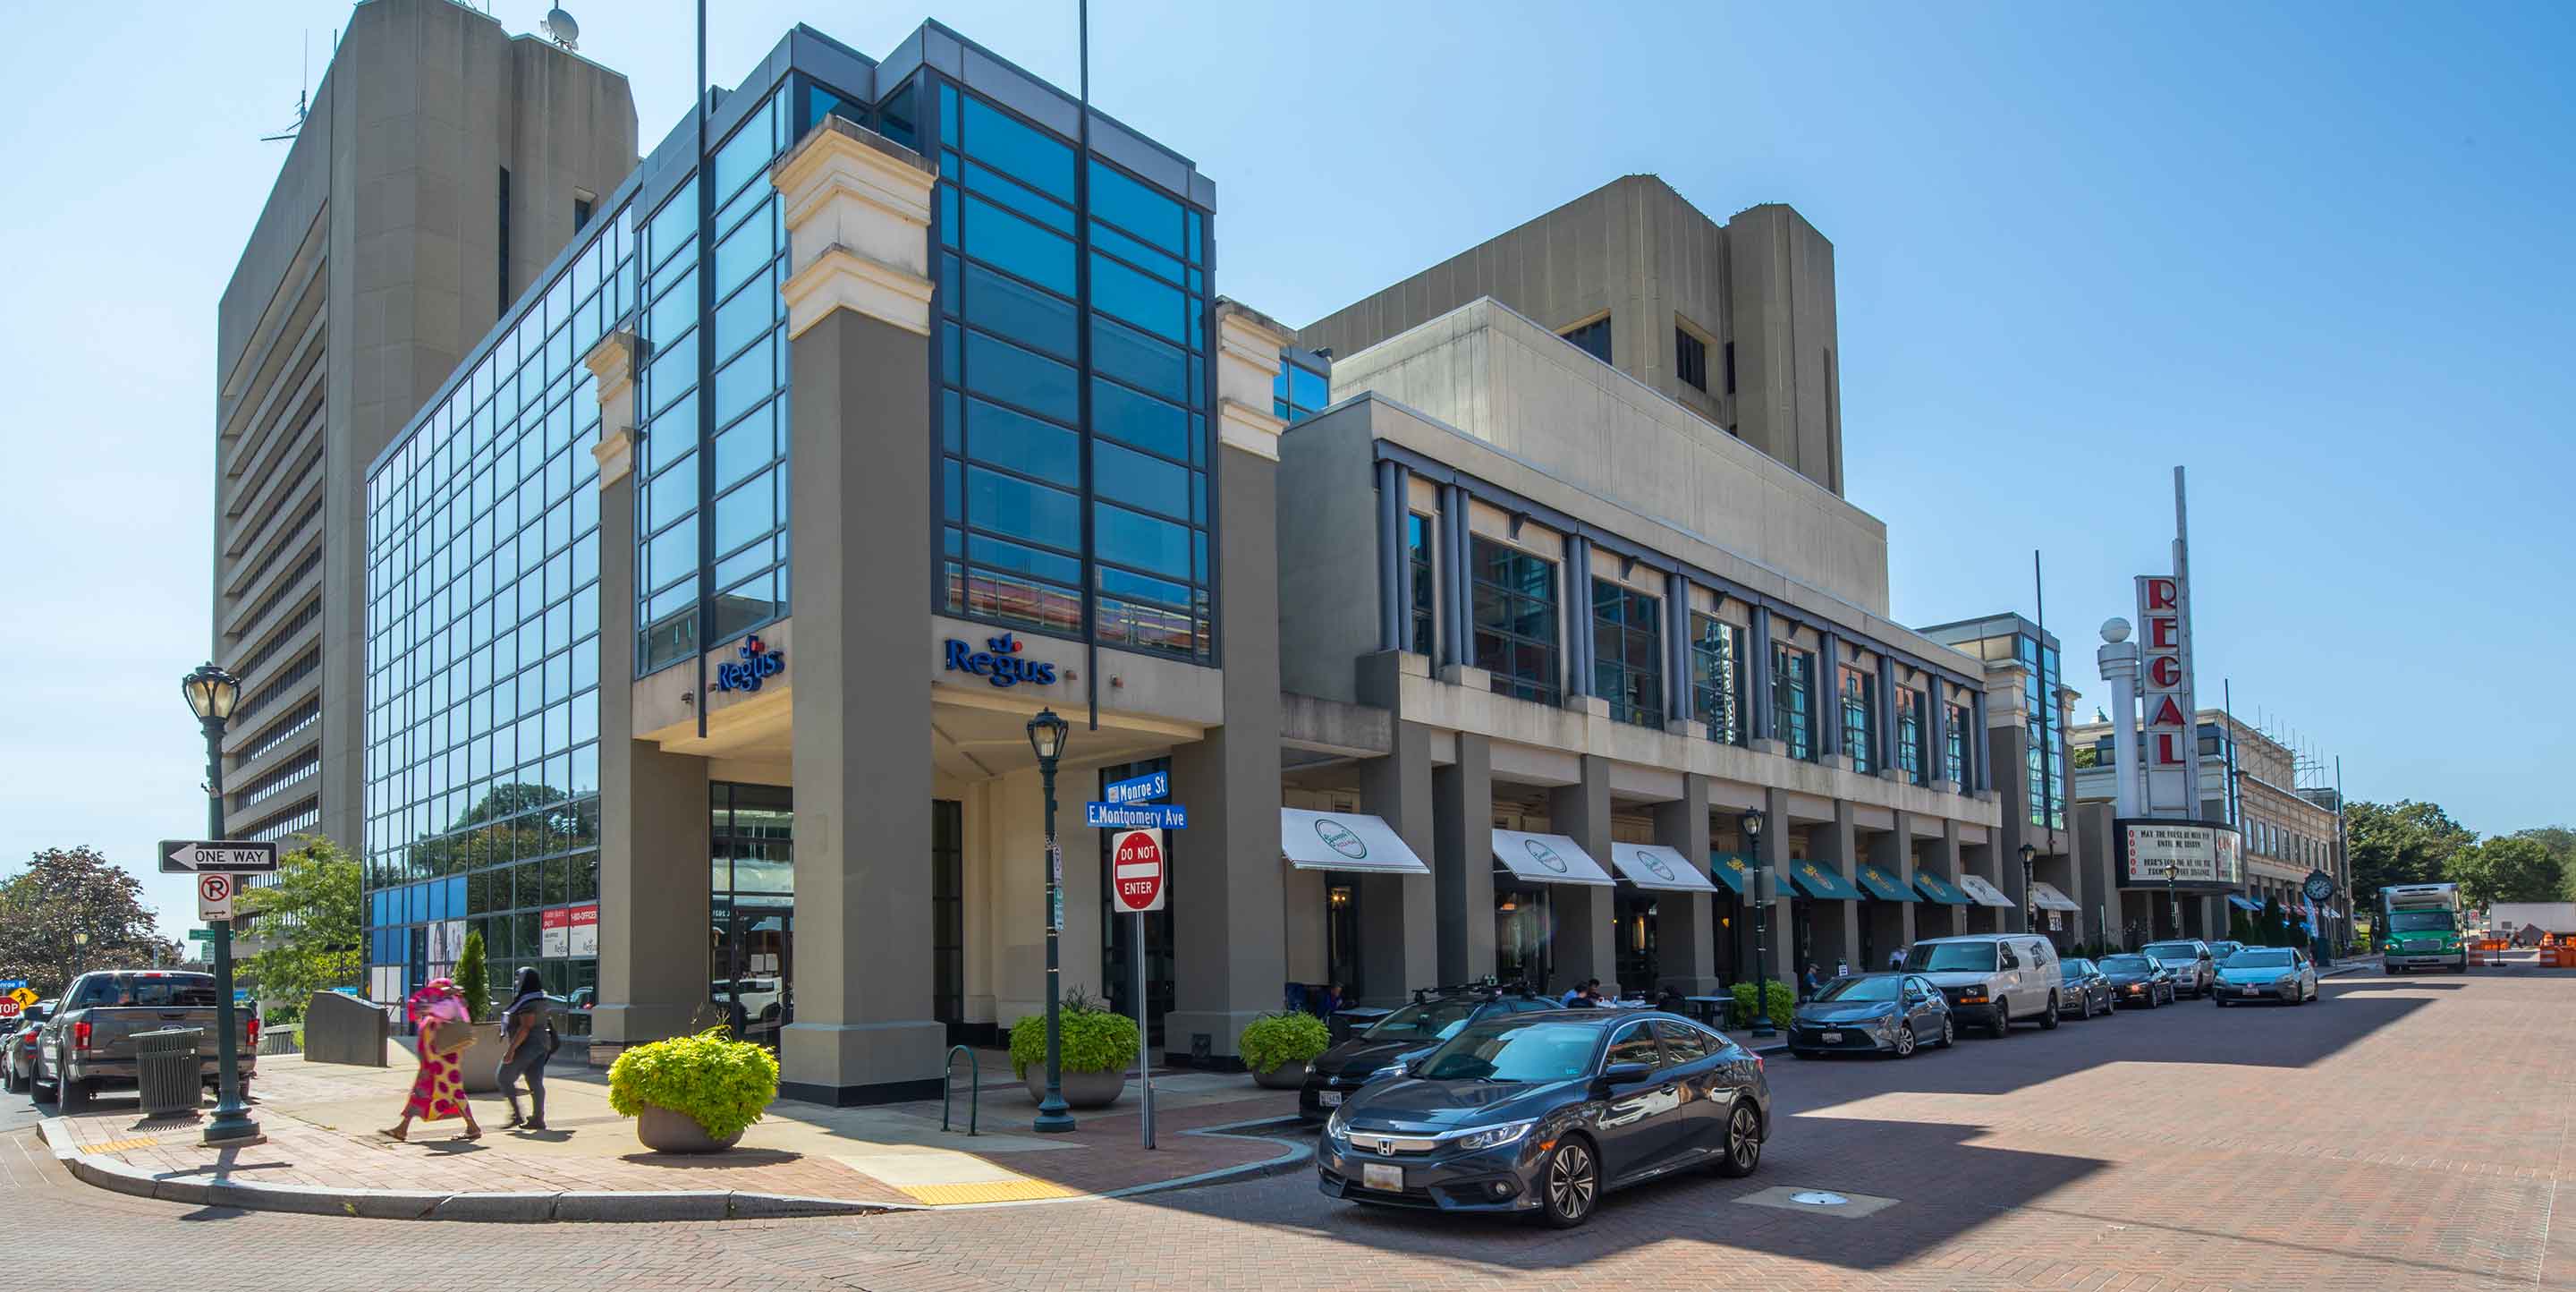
1136 879
218 865
2320 888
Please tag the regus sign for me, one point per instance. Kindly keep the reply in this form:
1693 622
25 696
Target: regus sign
999 662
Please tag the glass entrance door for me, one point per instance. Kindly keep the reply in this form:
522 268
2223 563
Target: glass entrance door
751 961
1342 937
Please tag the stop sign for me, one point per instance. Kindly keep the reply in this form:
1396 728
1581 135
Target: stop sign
1136 870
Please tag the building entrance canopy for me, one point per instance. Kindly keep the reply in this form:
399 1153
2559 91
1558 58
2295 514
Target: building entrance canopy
1822 881
1652 865
1883 885
2045 895
1939 889
1546 859
1344 841
1983 893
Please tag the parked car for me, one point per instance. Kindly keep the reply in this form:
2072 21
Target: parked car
1545 1112
88 1045
1992 979
18 1037
2137 978
2220 950
1397 1039
2194 970
2087 989
1881 1013
2283 974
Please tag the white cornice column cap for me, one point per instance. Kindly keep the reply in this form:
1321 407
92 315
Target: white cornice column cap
612 361
1247 363
857 210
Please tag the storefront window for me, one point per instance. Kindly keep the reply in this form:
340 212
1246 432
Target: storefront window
1640 965
1417 547
1515 610
1521 934
1954 752
1909 734
1717 678
1793 702
1859 703
1628 653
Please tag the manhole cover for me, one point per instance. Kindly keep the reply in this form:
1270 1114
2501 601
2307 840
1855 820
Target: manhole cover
1818 1198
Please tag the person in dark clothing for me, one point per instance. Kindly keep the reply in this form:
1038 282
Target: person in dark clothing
527 1041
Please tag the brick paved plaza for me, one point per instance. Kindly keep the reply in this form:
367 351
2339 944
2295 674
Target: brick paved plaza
2406 1134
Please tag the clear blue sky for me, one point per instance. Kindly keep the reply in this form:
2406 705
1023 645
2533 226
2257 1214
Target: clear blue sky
2317 254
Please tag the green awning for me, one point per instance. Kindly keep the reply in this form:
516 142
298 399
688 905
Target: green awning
1731 869
1939 889
1883 885
1822 881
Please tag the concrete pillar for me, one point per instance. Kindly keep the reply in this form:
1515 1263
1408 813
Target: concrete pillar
1757 682
1780 948
1685 924
1399 930
1578 619
1585 947
653 830
1394 600
1230 959
858 318
1891 924
1462 861
1953 920
1980 860
1829 702
1836 925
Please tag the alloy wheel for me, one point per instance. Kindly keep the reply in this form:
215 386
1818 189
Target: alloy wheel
1572 1183
1904 1040
1949 1031
1743 1141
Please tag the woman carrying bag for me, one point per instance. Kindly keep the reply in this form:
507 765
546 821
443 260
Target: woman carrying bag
439 1091
527 1041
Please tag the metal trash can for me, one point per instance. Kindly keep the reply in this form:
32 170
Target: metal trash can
167 1072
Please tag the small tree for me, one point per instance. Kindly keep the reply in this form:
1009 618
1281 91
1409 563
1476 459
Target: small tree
308 922
66 892
2274 927
472 980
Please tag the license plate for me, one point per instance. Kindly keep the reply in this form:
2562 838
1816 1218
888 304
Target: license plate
1379 1176
1833 1038
1329 1098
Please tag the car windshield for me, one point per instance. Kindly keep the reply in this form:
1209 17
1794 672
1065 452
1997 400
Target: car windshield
1852 989
2126 964
2420 922
1951 957
1434 1021
1515 1050
2260 959
2170 951
2075 968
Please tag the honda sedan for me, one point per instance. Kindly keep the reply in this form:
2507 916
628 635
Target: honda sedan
1544 1113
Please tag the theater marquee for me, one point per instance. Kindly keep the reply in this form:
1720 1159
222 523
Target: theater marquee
2199 854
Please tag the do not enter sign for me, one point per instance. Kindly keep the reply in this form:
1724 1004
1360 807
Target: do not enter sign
1136 870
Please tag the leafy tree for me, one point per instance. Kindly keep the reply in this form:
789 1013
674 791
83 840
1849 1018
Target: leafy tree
2505 869
472 979
309 923
2401 843
69 891
2561 843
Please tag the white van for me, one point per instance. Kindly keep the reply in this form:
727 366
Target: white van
1992 980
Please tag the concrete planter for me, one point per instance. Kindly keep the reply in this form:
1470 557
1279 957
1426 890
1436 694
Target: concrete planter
665 1131
1287 1076
1081 1089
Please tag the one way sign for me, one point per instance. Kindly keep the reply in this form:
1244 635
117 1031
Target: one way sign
237 856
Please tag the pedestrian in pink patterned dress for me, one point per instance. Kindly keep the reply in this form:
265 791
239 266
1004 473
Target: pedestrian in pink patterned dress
439 1092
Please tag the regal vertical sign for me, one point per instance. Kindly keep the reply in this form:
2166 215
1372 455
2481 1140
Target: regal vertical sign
2171 744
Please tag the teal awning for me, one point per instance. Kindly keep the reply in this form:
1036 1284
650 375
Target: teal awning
1883 886
1939 889
1822 881
1731 869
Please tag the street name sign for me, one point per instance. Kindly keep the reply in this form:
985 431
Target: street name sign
1139 789
1136 871
235 856
201 935
1141 816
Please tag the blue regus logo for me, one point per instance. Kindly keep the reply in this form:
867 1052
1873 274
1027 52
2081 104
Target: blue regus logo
999 662
758 661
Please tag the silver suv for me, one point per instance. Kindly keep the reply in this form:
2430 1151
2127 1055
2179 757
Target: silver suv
2195 971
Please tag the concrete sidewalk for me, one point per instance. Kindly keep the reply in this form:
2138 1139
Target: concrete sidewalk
326 1153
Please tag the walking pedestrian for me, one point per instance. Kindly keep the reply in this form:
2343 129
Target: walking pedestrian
528 1040
438 1093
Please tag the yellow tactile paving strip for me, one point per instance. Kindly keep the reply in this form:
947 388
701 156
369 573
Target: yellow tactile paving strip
955 1195
119 1145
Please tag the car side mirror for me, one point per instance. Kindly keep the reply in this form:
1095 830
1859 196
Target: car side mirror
1623 1073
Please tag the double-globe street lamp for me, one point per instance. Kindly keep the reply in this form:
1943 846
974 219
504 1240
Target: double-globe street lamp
1046 739
211 694
1752 823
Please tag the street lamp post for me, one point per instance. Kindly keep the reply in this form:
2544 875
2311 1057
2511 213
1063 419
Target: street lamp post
1752 822
2173 899
80 952
211 694
2029 899
1046 737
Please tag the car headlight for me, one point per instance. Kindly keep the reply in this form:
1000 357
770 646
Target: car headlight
1390 1070
2285 980
1339 1124
1492 1137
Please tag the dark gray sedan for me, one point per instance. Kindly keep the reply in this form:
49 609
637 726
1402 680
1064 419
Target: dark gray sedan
1544 1113
2086 990
1880 1013
2138 980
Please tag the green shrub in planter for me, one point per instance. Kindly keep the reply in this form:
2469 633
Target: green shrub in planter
1784 1002
1276 1040
1094 1039
722 1083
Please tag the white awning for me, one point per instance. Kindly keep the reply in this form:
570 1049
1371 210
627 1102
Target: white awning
1983 893
2046 896
1652 865
1547 859
1344 841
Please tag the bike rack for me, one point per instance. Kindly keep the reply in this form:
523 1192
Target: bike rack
974 1087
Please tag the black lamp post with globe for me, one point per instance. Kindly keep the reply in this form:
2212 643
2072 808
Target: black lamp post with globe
1762 1026
211 694
1046 739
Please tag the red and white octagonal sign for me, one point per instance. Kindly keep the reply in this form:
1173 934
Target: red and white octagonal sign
1136 870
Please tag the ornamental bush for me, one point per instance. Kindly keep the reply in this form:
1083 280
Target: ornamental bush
1276 1040
723 1083
1094 1039
470 978
1784 1002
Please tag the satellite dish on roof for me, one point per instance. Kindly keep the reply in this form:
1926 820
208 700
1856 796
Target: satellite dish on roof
561 29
